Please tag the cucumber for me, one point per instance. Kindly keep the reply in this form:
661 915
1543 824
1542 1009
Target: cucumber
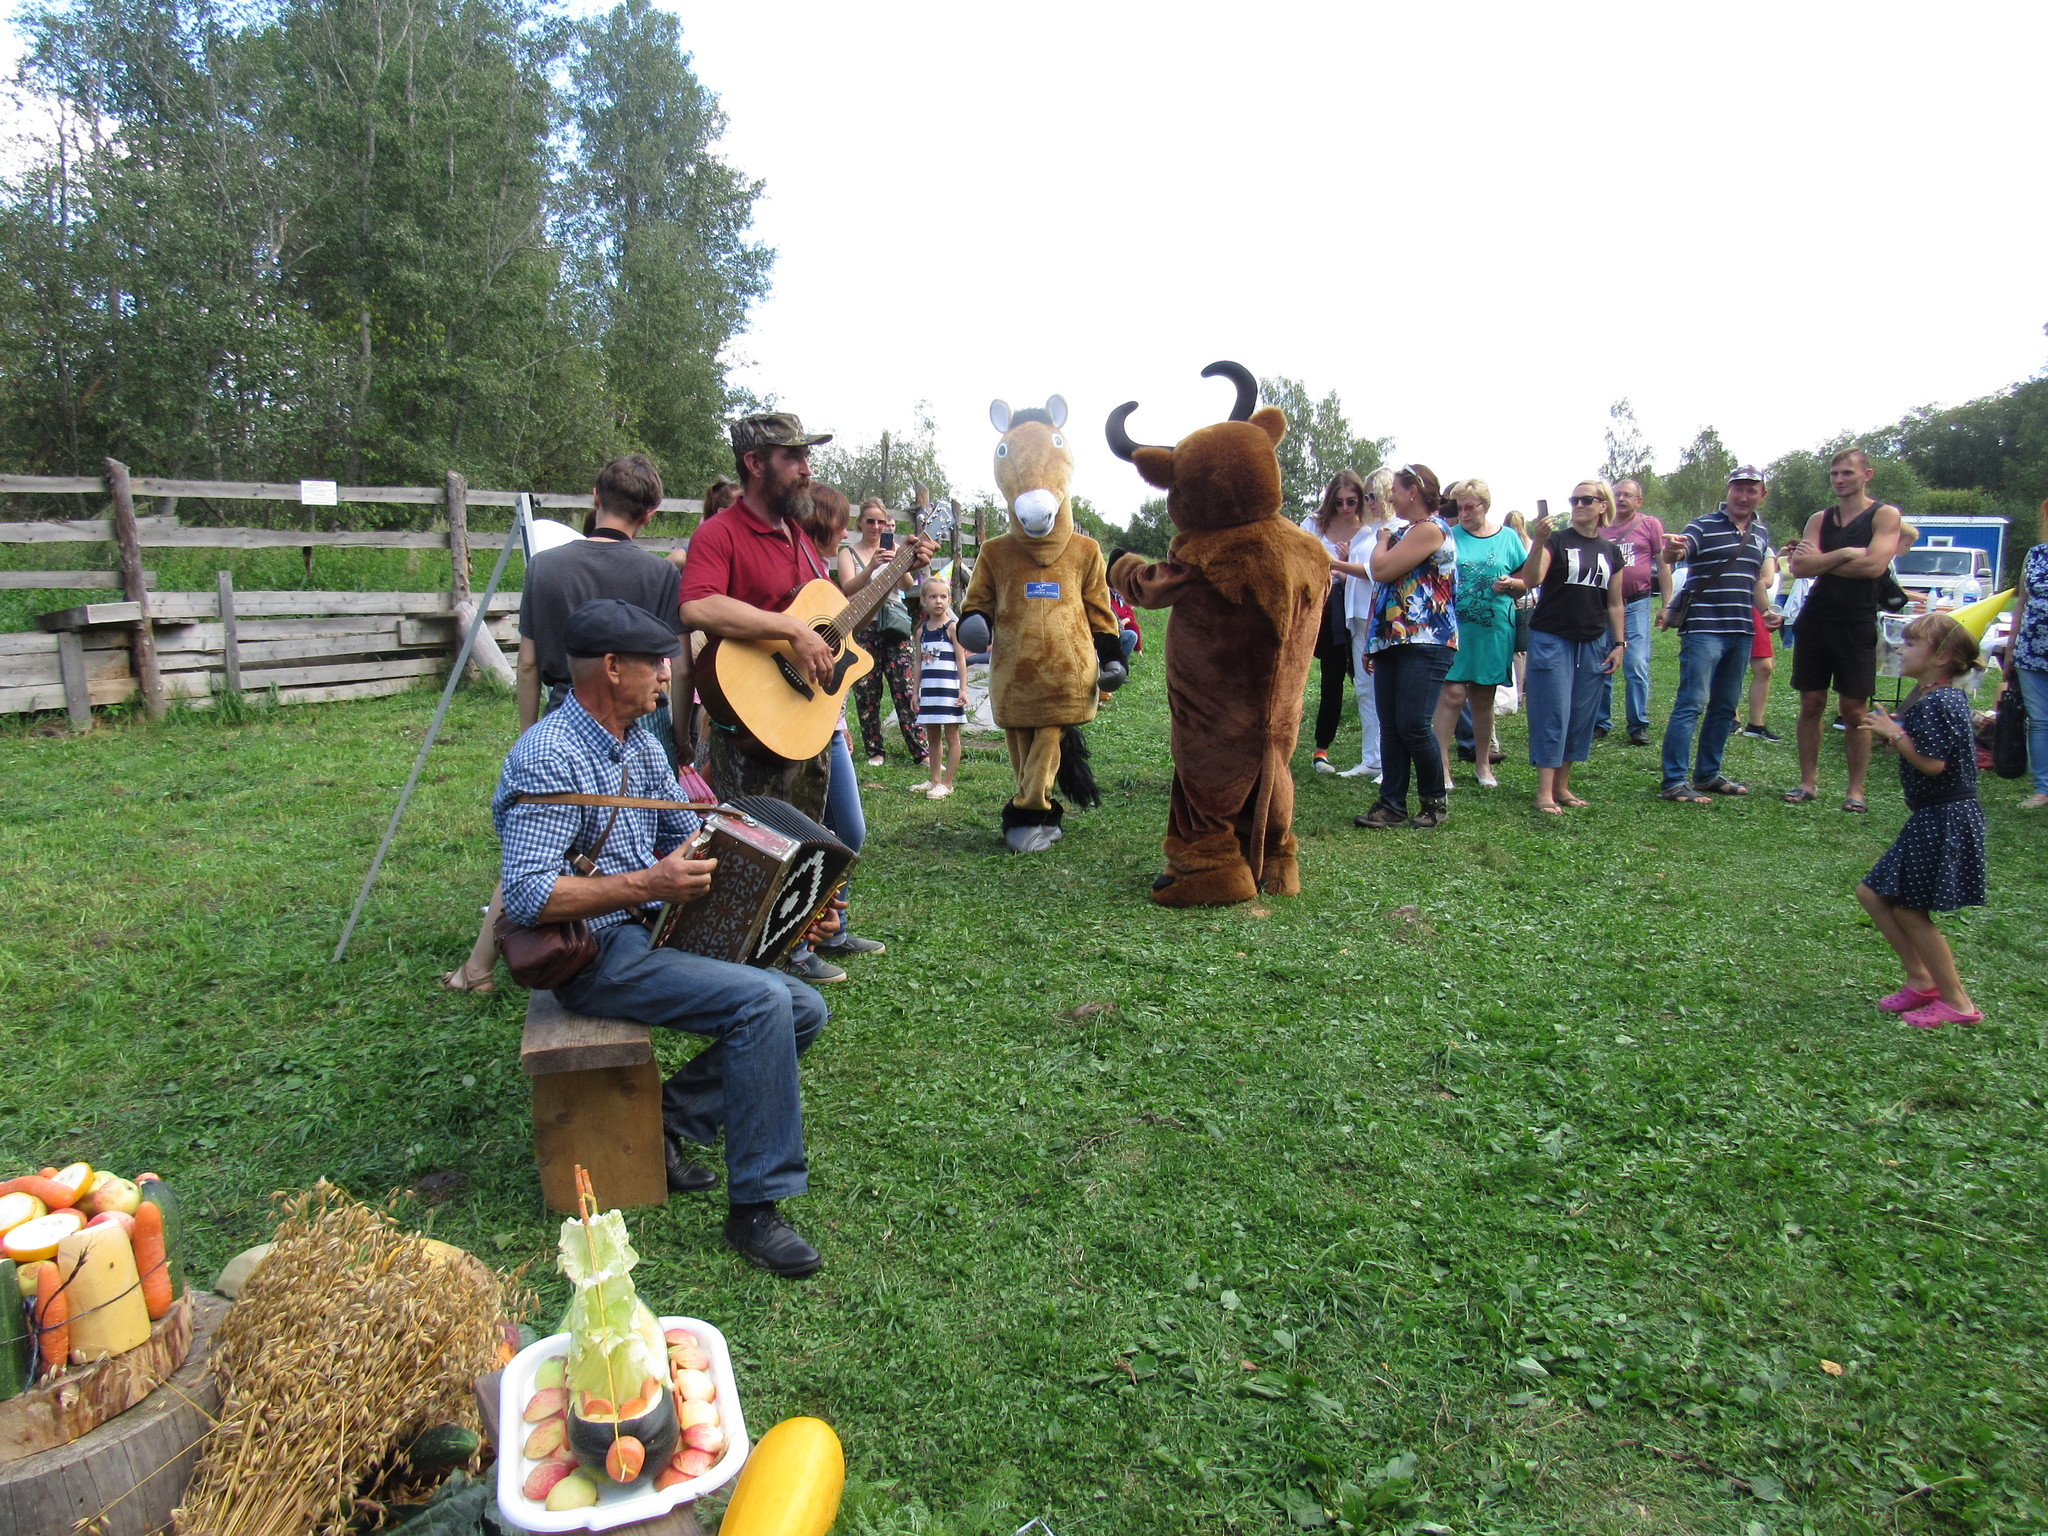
443 1447
13 1334
160 1194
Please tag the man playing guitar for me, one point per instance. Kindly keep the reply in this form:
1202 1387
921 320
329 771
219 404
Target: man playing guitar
745 565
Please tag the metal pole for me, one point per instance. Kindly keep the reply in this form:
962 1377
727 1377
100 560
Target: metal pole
522 514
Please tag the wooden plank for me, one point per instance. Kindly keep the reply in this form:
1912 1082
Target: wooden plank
556 1040
51 580
89 531
177 607
54 485
126 537
27 643
230 640
607 1120
341 672
77 699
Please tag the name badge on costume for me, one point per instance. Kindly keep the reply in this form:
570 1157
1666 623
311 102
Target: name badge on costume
1041 589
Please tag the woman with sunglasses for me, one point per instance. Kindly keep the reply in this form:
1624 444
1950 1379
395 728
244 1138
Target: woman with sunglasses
887 638
1336 523
1577 637
1414 636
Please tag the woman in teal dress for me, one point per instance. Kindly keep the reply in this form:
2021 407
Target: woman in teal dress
1489 555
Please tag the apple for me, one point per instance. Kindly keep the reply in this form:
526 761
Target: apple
540 1482
576 1491
691 1462
25 1277
688 1413
112 1193
546 1439
705 1437
694 1386
119 1219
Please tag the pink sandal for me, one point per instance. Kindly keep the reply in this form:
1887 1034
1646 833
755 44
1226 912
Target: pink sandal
1906 999
1938 1013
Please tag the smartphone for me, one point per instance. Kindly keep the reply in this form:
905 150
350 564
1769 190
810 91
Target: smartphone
889 539
1542 507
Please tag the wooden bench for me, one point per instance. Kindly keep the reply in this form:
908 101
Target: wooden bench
597 1102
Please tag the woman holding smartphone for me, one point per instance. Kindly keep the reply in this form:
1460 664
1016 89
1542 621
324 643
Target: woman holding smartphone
1577 637
1413 638
887 637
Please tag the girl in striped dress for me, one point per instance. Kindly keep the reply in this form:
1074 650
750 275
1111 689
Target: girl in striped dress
941 687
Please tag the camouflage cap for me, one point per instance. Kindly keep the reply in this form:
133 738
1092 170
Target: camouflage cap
777 429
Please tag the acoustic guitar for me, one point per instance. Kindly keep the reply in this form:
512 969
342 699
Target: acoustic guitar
756 686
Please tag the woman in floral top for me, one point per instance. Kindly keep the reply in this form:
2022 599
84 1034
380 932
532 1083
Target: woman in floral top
1414 635
2027 654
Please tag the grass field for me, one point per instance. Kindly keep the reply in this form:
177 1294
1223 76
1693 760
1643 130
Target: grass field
1531 1175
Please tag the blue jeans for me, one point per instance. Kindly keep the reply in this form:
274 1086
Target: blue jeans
745 1079
843 817
2034 691
1128 639
1635 671
1406 680
1566 685
1710 672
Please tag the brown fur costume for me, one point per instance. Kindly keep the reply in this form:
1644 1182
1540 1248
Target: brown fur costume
1247 590
1047 602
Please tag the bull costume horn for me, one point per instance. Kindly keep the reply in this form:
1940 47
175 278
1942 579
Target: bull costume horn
1247 387
1120 442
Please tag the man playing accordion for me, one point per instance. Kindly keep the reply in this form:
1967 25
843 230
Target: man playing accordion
760 1021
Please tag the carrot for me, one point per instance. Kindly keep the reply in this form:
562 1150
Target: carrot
151 1259
53 1320
58 1197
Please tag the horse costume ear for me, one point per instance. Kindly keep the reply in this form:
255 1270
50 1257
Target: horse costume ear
1056 408
999 415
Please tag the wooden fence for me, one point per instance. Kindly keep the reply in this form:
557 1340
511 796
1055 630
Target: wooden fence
309 647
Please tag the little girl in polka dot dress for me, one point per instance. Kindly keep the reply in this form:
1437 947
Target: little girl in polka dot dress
1937 865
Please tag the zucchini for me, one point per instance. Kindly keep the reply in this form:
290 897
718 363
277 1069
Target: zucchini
790 1485
160 1194
13 1334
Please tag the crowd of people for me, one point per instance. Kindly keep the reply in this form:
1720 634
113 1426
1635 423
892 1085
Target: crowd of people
1440 607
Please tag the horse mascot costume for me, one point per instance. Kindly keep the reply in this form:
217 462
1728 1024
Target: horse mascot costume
1039 605
1246 587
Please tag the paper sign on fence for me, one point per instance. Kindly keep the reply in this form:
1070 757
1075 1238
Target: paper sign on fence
319 493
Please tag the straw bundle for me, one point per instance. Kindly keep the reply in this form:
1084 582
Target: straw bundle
351 1339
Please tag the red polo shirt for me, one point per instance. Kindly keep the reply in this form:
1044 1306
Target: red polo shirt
735 554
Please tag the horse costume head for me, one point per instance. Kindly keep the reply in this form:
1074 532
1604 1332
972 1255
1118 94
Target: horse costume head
1222 476
1034 466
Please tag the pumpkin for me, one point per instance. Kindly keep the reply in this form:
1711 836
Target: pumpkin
791 1483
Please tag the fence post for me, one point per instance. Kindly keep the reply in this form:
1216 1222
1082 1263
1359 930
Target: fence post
130 541
231 644
71 668
458 534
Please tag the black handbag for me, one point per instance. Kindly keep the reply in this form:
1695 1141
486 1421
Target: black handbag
2009 734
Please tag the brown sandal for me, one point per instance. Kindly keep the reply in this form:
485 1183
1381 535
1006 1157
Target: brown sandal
455 981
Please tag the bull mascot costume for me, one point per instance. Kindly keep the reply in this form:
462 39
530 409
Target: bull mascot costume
1039 605
1246 587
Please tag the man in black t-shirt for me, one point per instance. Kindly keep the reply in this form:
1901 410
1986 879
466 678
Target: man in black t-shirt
605 564
1846 549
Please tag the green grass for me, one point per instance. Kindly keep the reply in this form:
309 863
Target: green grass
1518 1177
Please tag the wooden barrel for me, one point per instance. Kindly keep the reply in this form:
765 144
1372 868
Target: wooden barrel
131 1470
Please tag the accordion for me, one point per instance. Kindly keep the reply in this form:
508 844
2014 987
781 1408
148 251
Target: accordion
777 870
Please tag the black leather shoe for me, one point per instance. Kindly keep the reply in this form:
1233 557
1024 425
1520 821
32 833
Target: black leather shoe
684 1176
764 1239
1468 754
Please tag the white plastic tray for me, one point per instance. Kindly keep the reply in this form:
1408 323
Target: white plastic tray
615 1505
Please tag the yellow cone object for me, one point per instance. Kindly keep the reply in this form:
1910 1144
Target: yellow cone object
1977 617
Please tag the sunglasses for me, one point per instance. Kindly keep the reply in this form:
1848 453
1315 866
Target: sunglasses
1347 501
1584 501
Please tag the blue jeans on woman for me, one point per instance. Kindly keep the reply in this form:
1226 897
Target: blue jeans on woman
2034 693
1406 680
1567 680
844 818
745 1080
1710 672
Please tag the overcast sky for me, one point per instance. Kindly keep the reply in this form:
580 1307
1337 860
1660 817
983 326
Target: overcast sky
1480 224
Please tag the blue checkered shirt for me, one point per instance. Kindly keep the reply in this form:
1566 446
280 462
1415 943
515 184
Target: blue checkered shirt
568 752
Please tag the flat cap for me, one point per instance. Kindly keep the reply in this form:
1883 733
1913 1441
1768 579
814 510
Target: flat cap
778 429
1745 472
610 626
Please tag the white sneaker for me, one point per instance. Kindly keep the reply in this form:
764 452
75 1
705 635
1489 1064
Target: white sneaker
877 760
923 789
939 792
1324 765
1359 771
1486 781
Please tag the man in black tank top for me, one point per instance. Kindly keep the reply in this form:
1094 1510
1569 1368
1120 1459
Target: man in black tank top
1846 550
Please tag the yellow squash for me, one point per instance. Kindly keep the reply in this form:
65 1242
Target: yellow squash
108 1315
791 1483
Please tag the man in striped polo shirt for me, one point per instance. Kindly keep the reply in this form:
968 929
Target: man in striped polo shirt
1730 571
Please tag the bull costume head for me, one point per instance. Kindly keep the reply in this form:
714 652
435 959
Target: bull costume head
1220 476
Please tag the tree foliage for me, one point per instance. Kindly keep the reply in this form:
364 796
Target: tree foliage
1319 442
1151 530
889 465
369 239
